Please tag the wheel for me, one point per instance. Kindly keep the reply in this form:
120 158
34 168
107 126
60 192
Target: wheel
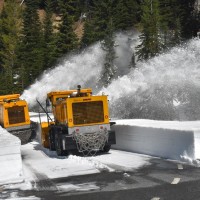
57 146
59 149
52 141
106 148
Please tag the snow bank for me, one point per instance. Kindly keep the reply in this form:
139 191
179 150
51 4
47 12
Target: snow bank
166 139
10 158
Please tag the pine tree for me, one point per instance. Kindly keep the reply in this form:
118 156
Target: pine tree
2 32
66 38
31 51
90 28
189 22
97 21
176 36
10 24
151 44
108 45
104 31
170 23
121 15
125 14
89 35
49 37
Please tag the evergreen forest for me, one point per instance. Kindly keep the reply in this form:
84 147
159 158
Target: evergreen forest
36 34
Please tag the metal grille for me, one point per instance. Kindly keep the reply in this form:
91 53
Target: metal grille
16 115
88 112
90 143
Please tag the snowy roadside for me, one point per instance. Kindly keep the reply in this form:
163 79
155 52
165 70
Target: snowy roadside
10 158
41 164
46 162
171 140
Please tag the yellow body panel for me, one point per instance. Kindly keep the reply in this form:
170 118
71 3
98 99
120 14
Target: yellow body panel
45 134
54 96
63 110
9 97
13 111
74 109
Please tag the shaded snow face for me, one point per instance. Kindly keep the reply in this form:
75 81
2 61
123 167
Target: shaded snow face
166 87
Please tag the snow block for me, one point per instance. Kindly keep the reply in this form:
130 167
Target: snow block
10 158
156 138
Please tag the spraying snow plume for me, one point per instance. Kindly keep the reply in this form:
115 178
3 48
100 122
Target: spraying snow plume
84 69
125 43
166 87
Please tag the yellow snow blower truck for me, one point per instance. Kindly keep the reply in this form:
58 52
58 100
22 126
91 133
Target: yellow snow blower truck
14 117
81 122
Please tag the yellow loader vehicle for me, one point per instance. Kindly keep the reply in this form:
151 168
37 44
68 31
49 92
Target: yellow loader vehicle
81 122
14 117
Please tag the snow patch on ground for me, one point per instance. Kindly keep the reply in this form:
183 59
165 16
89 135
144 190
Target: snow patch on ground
123 161
67 187
14 197
92 162
44 163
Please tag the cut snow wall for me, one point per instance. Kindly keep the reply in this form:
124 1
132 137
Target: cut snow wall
197 143
156 139
10 158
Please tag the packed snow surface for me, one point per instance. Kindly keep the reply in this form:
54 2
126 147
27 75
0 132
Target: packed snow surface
44 162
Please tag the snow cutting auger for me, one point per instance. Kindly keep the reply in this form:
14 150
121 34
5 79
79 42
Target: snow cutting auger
14 117
81 122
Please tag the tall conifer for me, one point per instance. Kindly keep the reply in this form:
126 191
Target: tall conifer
31 51
10 29
49 37
66 38
151 43
104 31
170 23
125 14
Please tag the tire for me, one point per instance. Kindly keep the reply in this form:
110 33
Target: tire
59 149
52 141
106 148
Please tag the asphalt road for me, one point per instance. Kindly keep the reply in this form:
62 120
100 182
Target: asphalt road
162 180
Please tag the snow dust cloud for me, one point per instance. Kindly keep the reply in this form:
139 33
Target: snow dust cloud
84 69
166 87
